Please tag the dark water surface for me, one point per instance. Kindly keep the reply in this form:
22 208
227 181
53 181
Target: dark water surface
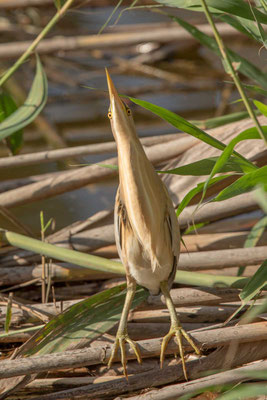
79 114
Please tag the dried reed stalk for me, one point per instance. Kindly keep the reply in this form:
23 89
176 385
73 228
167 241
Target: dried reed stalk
108 40
149 348
247 352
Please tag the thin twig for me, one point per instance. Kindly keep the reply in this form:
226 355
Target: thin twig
14 220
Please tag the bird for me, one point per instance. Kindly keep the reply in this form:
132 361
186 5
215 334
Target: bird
146 228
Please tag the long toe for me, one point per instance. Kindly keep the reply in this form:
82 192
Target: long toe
164 345
190 341
178 335
178 332
123 356
120 343
113 352
135 348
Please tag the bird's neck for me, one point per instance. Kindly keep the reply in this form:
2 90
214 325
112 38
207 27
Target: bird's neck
139 184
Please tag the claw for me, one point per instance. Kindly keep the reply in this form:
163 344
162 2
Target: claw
120 343
178 332
135 348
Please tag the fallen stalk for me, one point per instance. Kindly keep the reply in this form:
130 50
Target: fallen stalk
149 348
247 352
244 373
51 384
196 314
194 261
75 271
181 297
199 314
59 272
105 41
217 211
105 265
216 241
9 4
44 157
90 239
197 261
136 330
61 182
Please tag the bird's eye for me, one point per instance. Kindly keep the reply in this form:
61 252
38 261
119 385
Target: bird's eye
109 115
129 111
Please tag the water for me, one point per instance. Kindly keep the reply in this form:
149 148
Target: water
79 113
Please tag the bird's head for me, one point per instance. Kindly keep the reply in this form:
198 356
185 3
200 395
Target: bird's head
119 113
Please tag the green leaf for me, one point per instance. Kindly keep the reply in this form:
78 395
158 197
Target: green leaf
232 7
249 28
72 256
261 107
253 238
179 123
44 226
252 312
263 5
49 222
193 228
198 189
248 134
253 88
33 105
8 312
185 126
205 166
102 264
261 197
87 319
7 107
219 121
244 391
59 3
247 68
255 284
109 166
244 184
23 330
42 220
262 33
210 280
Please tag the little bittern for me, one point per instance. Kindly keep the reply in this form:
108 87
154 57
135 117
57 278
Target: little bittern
146 228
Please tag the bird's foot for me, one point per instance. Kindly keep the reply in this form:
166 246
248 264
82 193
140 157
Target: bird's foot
120 341
178 332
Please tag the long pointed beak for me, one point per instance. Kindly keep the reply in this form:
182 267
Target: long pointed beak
113 94
121 124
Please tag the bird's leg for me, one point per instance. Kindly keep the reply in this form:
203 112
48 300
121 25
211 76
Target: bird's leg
122 333
175 329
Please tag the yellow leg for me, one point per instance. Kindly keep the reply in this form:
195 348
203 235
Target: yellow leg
122 334
175 330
